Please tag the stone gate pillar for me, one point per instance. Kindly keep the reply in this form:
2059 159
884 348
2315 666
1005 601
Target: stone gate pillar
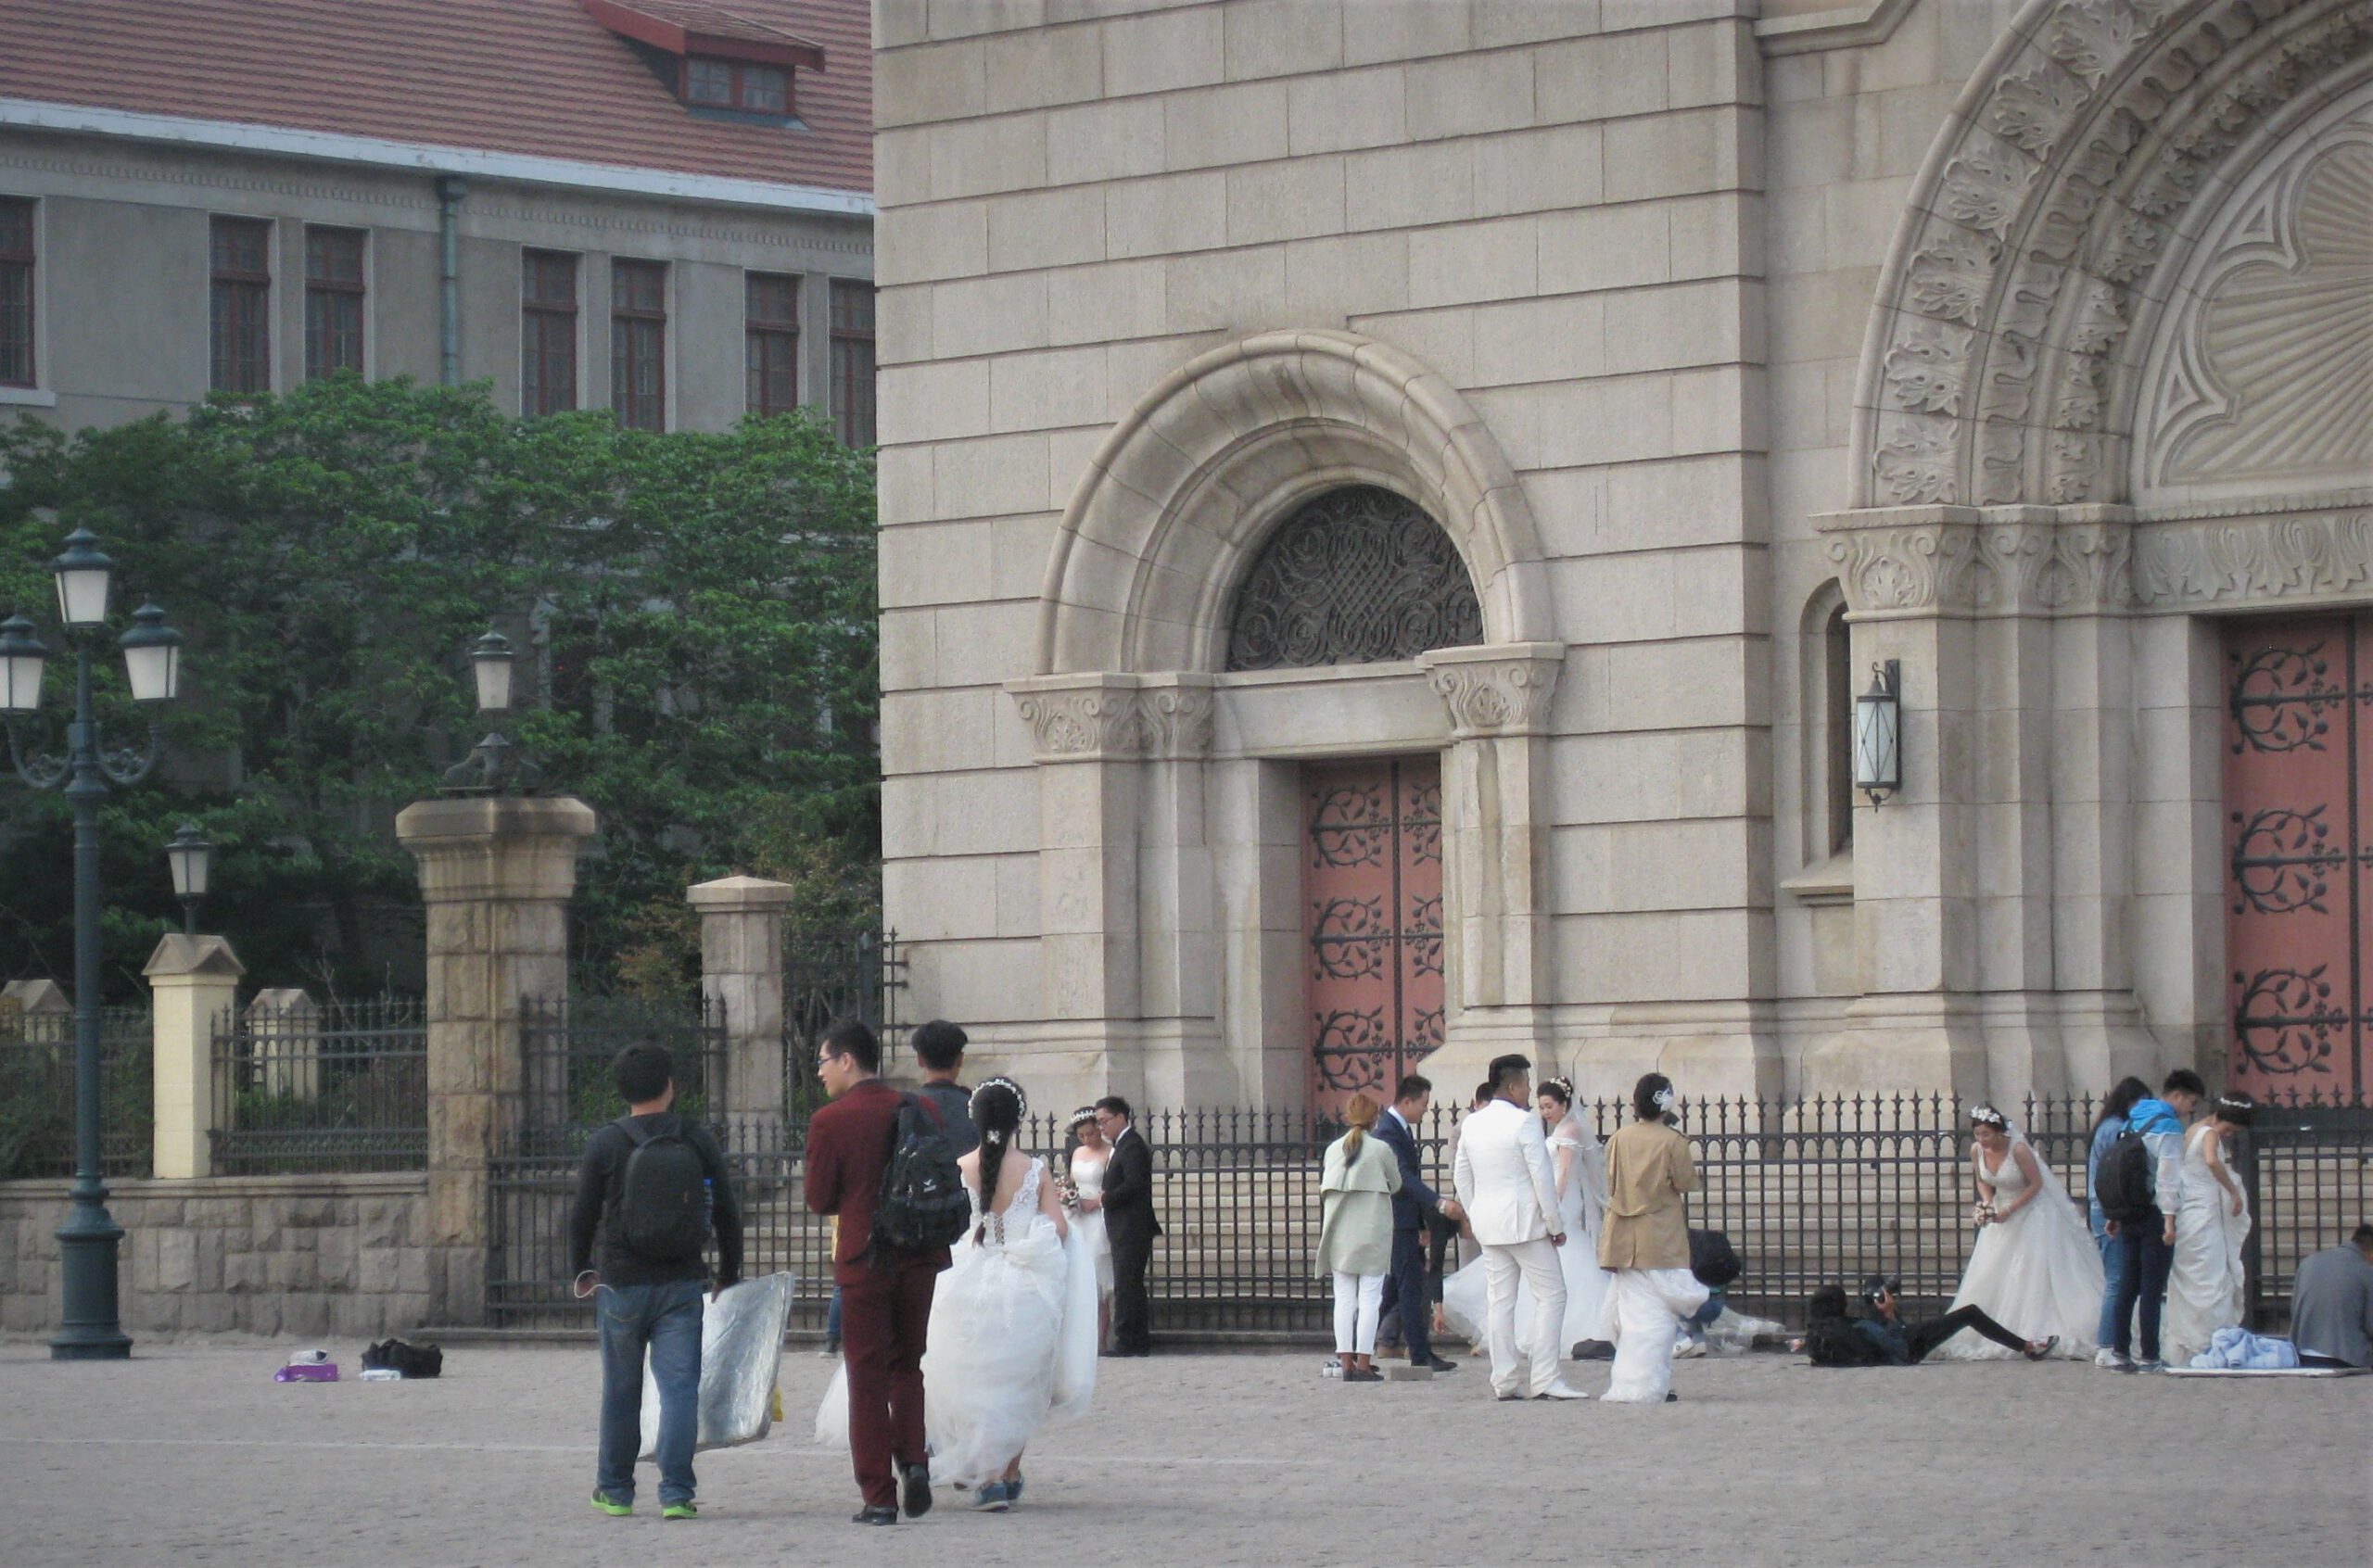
496 873
194 982
742 974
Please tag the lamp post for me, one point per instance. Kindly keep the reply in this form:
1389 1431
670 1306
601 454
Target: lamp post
191 859
88 1329
494 766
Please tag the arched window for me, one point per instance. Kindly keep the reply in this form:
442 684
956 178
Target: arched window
1838 741
1351 578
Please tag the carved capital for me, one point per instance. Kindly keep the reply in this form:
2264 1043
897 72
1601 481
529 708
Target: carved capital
1496 689
1103 717
1970 560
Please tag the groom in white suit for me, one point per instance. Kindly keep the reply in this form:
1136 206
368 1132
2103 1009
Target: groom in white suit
1509 1191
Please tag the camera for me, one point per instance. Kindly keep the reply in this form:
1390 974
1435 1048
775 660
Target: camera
1877 1286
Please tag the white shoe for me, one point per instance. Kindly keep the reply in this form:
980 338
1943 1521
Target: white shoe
1561 1389
1685 1348
2109 1360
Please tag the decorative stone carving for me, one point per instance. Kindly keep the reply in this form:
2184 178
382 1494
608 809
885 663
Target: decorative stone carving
2221 562
1101 718
1493 691
1964 561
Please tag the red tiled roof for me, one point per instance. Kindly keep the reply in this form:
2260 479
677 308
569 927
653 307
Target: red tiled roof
537 77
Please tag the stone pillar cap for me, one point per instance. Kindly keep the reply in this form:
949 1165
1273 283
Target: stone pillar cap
192 956
730 895
34 997
496 816
282 1000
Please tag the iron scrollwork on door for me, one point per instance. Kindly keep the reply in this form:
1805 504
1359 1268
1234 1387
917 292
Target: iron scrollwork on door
1373 904
1355 577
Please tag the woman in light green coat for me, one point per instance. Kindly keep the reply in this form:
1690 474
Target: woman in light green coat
1355 1235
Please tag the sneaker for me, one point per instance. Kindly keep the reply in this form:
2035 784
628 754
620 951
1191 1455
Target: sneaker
2153 1365
612 1506
1013 1489
679 1510
994 1497
1685 1348
2109 1360
1355 1375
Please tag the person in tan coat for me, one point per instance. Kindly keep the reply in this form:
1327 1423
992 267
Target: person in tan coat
1356 1234
1645 1243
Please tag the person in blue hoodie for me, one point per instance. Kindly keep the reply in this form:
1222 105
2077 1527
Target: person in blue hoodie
2150 1244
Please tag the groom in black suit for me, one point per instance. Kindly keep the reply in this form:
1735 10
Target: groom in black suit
1129 1224
1414 1208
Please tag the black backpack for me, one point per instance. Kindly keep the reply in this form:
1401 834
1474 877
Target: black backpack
1831 1338
923 1206
663 1207
401 1356
2124 1181
1712 1258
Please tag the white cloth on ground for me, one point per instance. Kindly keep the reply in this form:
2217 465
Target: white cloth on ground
1643 1311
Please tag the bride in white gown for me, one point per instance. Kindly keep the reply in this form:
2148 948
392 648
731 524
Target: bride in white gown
1580 1162
2206 1290
1012 1337
2034 1269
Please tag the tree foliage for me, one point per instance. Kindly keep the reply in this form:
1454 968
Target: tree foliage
695 615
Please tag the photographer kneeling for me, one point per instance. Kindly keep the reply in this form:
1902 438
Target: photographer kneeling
1881 1337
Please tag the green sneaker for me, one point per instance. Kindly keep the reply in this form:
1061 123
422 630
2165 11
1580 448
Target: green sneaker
612 1506
679 1511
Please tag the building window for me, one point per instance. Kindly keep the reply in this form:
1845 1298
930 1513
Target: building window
1357 575
547 332
638 344
772 335
728 84
333 302
239 320
1837 741
853 361
16 292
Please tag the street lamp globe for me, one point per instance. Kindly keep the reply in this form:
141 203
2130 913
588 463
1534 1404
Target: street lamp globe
1878 733
152 656
490 660
83 575
22 657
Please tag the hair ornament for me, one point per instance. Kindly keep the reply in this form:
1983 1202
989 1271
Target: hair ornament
1020 1100
1663 1098
1986 1116
1080 1118
1561 1087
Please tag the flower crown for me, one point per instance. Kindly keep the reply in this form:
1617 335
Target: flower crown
1561 1087
1020 1100
1080 1118
1986 1116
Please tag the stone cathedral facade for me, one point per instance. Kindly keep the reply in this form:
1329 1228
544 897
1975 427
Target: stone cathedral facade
1388 508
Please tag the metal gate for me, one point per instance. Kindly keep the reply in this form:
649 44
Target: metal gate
1372 918
2299 852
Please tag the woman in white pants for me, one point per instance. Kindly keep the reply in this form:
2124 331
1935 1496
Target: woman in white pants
1355 1235
1646 1243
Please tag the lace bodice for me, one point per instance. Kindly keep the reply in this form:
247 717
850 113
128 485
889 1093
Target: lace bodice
2007 1179
1016 1211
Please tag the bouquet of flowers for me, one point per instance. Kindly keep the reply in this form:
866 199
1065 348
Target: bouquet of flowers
1068 1190
1984 1214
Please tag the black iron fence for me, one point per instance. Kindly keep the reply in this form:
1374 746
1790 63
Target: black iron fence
570 1043
834 976
341 1085
1809 1192
37 1093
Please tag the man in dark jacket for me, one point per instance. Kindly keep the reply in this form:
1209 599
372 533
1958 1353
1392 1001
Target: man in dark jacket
649 1301
939 1051
886 1296
1414 1208
1129 1225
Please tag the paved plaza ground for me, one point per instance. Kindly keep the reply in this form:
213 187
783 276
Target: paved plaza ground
190 1454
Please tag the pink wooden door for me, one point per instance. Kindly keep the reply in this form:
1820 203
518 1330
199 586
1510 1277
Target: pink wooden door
1372 918
2299 852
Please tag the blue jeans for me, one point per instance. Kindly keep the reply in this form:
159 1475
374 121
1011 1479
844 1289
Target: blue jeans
833 1318
666 1319
2114 1272
2144 1281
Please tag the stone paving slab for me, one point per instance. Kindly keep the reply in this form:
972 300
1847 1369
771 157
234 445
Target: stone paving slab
191 1455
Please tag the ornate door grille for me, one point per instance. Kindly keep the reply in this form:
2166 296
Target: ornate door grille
2299 852
1357 575
1372 902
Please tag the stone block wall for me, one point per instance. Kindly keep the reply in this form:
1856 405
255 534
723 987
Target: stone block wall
321 1257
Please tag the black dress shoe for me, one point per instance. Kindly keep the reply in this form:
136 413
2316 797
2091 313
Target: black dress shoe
1672 1397
917 1489
872 1515
1438 1364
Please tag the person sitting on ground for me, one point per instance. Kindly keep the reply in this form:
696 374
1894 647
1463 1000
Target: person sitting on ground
939 1051
1898 1344
654 1185
2332 1305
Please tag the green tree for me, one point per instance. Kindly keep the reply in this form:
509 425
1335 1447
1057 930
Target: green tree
695 612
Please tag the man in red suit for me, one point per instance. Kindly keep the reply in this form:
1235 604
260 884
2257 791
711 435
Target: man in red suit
886 1296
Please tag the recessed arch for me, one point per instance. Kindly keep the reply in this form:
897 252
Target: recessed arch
1164 526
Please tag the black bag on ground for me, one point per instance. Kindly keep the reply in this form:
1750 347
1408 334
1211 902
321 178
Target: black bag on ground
402 1356
663 1206
1831 1338
923 1204
2127 1185
1712 1258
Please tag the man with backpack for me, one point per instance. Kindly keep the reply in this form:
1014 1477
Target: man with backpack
656 1185
2140 1179
881 1162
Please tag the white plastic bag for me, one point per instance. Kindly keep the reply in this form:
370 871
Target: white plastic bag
740 1357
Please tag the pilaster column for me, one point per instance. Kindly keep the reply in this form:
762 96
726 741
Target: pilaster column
194 983
496 873
741 973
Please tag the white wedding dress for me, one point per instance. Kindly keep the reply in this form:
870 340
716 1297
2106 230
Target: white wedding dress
1087 1180
1581 1202
2205 1288
2036 1273
1012 1342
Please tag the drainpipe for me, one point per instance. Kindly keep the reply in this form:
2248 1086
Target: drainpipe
450 189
